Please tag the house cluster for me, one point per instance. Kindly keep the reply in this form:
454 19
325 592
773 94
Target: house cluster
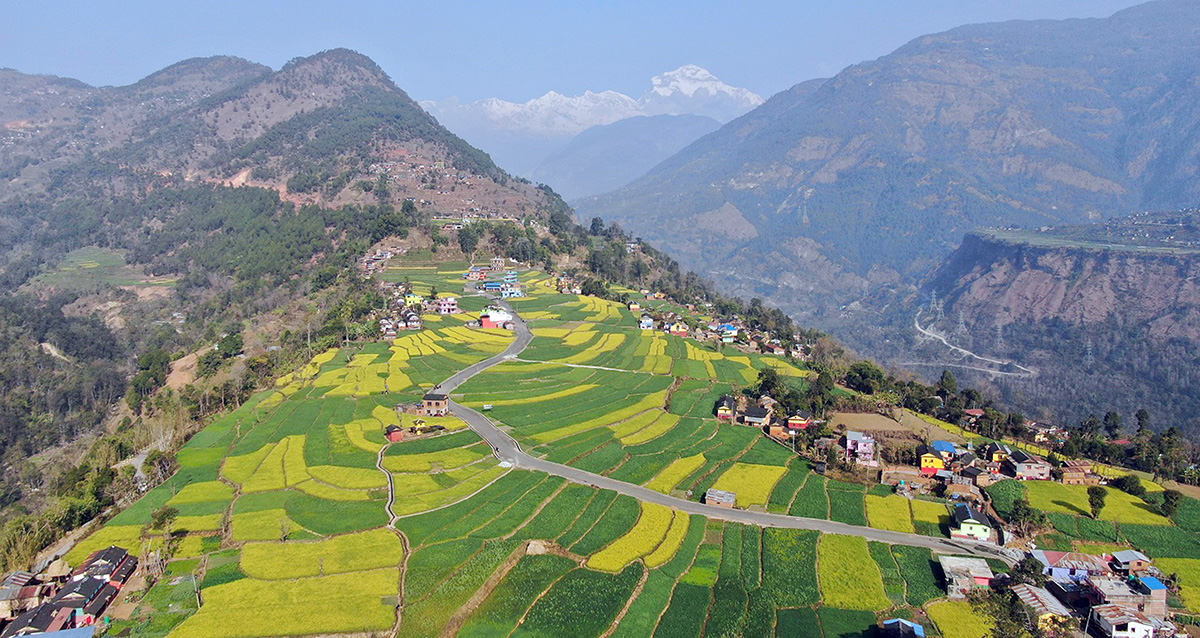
496 280
375 262
964 470
1119 595
764 414
57 600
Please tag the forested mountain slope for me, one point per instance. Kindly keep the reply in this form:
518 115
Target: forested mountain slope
872 176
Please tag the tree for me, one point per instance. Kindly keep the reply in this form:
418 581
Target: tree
947 385
1025 518
163 517
1029 571
468 239
1096 496
769 382
866 377
1112 424
1143 421
597 226
1170 502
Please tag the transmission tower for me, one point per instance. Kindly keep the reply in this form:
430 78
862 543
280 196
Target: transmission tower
1088 357
999 338
961 328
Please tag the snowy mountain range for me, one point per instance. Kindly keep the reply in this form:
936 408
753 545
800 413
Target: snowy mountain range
522 135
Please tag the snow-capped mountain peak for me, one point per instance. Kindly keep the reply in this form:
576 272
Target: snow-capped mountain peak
689 90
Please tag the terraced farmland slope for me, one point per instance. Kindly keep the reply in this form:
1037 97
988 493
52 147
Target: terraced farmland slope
285 528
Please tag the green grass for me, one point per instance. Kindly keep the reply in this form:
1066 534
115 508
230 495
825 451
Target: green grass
846 623
684 617
789 573
917 569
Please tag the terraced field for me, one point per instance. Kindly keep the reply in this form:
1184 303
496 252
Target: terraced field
283 517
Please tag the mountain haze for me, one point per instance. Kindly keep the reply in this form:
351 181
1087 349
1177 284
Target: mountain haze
871 177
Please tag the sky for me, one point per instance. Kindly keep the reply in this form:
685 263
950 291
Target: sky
438 49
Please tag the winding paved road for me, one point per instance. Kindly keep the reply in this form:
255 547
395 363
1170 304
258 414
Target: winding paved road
507 449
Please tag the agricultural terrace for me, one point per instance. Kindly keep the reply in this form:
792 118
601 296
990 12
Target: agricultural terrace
283 521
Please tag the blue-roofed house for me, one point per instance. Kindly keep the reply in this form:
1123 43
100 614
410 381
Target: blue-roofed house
947 449
646 322
901 628
728 331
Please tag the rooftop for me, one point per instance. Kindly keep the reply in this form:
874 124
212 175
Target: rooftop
965 566
1040 600
719 496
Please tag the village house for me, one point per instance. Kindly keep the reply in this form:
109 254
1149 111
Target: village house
1146 594
901 628
756 416
729 332
1116 621
678 328
413 300
412 321
447 305
646 322
993 452
1074 566
860 449
968 522
495 318
1130 562
975 476
1050 613
512 293
720 498
946 449
1047 434
1079 472
801 420
635 306
497 263
973 415
1027 467
964 575
435 404
726 408
17 600
393 433
930 460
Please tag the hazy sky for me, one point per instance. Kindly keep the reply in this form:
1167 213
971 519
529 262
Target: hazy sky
514 50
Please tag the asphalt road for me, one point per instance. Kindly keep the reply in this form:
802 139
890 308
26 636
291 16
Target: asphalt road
507 449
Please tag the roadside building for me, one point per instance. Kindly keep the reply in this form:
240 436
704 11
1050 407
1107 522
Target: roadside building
435 404
720 498
971 523
860 449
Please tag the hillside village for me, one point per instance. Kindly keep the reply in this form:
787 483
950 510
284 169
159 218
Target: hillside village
1115 590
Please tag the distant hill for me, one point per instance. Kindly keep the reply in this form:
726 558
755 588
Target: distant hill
606 157
871 177
315 130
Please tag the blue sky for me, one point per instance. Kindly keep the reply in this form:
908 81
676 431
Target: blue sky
513 50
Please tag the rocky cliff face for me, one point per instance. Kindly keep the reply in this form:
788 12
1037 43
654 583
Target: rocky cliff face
1114 328
999 282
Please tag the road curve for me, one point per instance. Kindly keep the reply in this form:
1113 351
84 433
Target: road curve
507 449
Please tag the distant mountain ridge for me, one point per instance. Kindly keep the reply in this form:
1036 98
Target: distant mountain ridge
608 156
522 136
871 177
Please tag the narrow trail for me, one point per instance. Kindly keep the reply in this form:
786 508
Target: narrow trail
392 518
1024 372
508 450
